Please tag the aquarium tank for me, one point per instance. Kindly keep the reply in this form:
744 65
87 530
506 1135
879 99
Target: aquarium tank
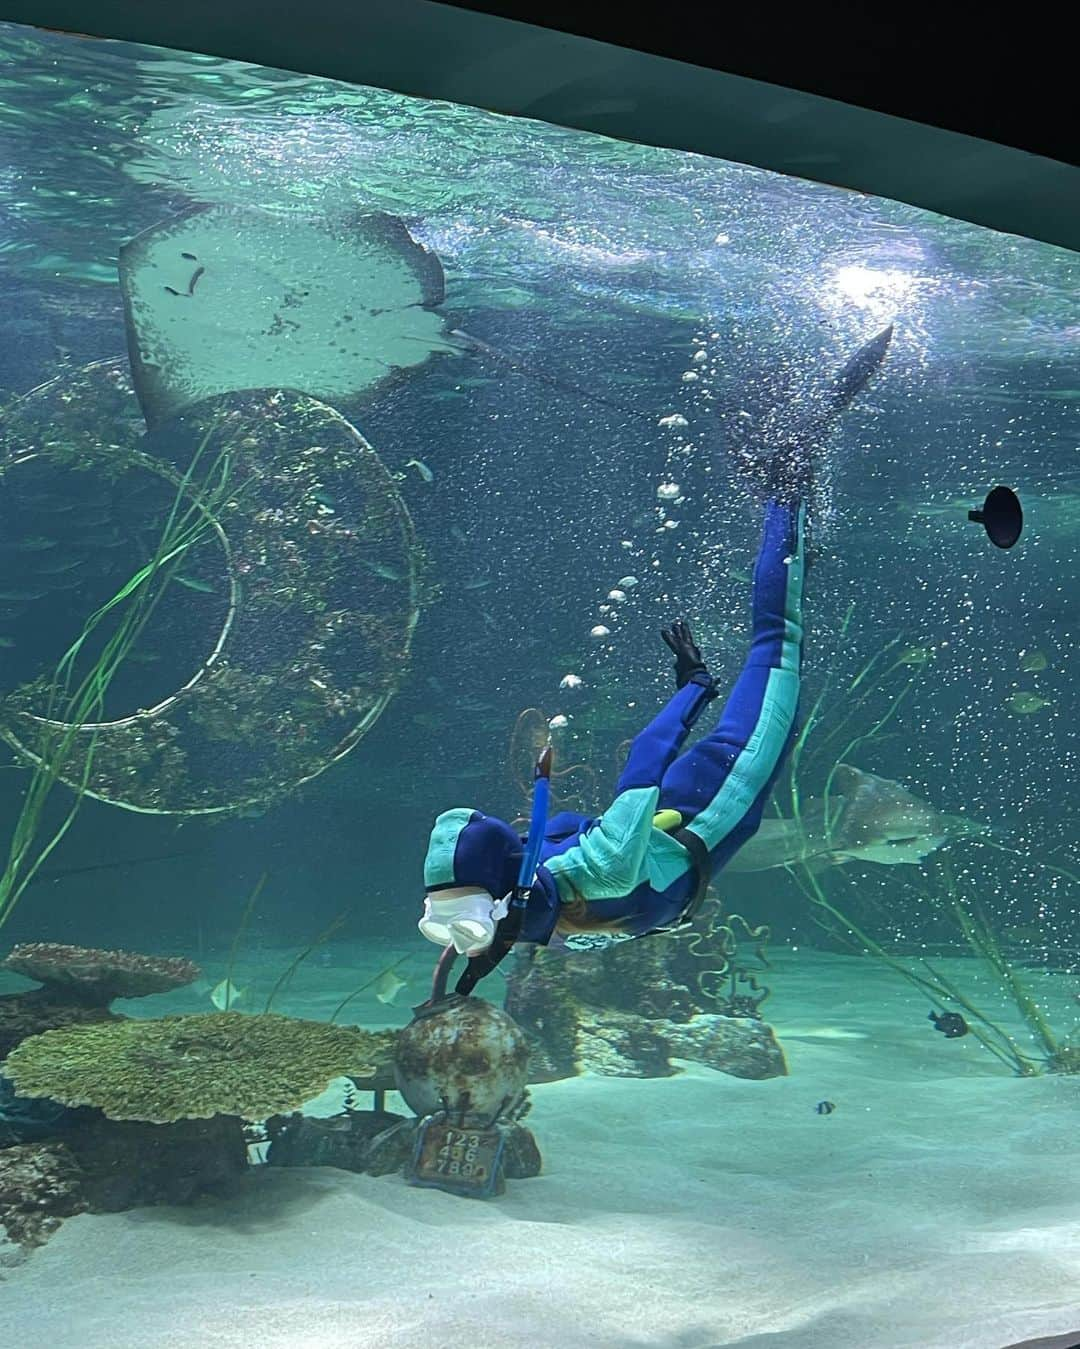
356 450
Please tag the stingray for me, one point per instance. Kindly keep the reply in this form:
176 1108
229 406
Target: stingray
224 297
871 819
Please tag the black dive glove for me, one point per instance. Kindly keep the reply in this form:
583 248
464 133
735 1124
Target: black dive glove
688 660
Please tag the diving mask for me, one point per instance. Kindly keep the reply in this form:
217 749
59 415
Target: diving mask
463 918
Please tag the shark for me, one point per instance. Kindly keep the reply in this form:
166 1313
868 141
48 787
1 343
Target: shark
865 819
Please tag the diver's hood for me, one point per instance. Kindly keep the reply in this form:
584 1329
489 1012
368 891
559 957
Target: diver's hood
468 849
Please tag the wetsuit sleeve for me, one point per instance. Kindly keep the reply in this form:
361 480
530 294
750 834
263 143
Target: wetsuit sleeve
654 749
608 860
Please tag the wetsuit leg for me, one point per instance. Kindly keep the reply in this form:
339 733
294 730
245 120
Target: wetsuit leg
719 786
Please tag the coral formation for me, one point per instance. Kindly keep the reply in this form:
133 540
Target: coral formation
77 985
190 1067
94 978
26 1014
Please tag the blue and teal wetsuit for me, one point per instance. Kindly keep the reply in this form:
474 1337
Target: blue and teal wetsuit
625 864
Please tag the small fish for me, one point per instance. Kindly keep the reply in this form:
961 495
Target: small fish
388 985
825 1107
193 584
951 1024
7 643
477 583
1029 936
383 569
421 468
17 595
1021 703
915 655
1033 661
60 567
225 995
35 544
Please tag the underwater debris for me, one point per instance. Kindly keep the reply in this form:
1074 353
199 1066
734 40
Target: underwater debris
825 1107
94 978
190 1067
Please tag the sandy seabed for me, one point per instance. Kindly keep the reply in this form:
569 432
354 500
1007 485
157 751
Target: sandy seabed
936 1207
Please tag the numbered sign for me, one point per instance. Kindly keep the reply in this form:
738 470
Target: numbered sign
457 1158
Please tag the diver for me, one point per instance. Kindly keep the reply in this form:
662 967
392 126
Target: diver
644 865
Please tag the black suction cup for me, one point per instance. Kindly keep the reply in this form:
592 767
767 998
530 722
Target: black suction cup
1001 516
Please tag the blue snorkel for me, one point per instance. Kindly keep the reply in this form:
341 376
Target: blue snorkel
506 934
530 858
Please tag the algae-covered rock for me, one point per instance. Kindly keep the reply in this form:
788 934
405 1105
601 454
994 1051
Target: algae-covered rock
740 1046
342 1140
127 1164
40 1185
618 1044
190 1067
629 1009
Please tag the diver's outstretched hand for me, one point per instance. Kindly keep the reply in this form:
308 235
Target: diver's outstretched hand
688 661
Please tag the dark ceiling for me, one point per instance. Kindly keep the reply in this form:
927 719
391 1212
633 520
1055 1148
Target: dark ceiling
952 108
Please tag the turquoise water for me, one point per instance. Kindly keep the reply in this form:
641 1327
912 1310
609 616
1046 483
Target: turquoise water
365 632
